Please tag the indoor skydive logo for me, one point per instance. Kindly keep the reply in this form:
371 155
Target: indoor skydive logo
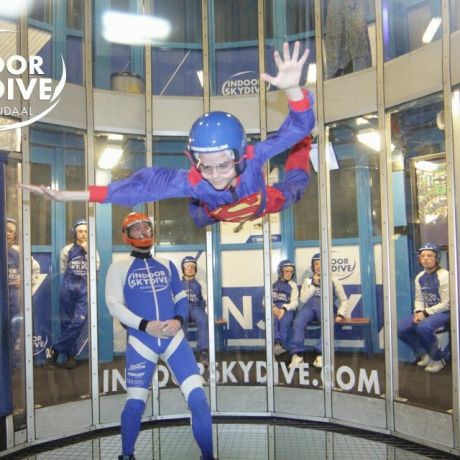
14 90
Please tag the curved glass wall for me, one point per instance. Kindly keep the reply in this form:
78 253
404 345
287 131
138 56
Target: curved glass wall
409 25
349 36
357 305
240 266
420 218
117 156
119 30
177 64
454 15
60 315
56 35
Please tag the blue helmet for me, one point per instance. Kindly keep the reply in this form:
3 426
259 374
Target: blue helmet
76 224
217 131
430 247
283 264
188 259
316 256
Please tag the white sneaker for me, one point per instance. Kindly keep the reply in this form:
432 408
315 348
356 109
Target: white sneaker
295 361
424 360
278 349
318 361
434 366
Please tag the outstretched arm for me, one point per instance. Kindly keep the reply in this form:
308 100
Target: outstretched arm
289 71
57 195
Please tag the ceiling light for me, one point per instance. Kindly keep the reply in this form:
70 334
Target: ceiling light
370 138
431 29
427 166
133 29
109 157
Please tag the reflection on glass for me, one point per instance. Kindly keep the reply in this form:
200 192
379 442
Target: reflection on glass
349 31
59 240
173 224
410 25
421 235
56 30
357 308
118 63
454 12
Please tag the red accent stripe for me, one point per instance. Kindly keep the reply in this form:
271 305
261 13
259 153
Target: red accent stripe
302 105
98 193
299 156
194 176
275 200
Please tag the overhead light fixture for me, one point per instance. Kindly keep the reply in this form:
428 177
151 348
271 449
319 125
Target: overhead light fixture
133 29
370 138
311 73
109 157
114 137
427 166
360 121
14 9
431 29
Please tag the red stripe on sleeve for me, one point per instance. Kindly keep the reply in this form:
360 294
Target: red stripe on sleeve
302 105
98 193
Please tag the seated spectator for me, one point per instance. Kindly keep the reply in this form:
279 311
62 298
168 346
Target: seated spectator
196 295
285 296
431 311
310 310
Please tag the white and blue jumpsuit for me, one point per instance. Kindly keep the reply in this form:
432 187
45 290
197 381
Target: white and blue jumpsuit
285 295
251 198
197 311
139 289
310 298
73 301
431 298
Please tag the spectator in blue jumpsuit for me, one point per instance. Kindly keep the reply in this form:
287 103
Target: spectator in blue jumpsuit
285 297
431 311
145 294
196 295
226 180
310 310
73 298
14 291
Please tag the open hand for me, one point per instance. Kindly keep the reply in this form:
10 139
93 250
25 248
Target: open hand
56 195
154 328
289 67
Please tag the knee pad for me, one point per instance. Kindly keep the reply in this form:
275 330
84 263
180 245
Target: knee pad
197 401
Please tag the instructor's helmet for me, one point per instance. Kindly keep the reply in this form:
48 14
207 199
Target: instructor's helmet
76 224
146 241
283 264
217 131
431 247
315 257
188 260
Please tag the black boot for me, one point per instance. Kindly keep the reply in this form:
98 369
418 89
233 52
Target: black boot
126 457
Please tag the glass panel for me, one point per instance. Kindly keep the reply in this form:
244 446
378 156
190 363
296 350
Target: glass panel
357 308
410 24
349 36
118 57
56 34
454 15
235 61
59 243
118 156
173 223
178 64
420 220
